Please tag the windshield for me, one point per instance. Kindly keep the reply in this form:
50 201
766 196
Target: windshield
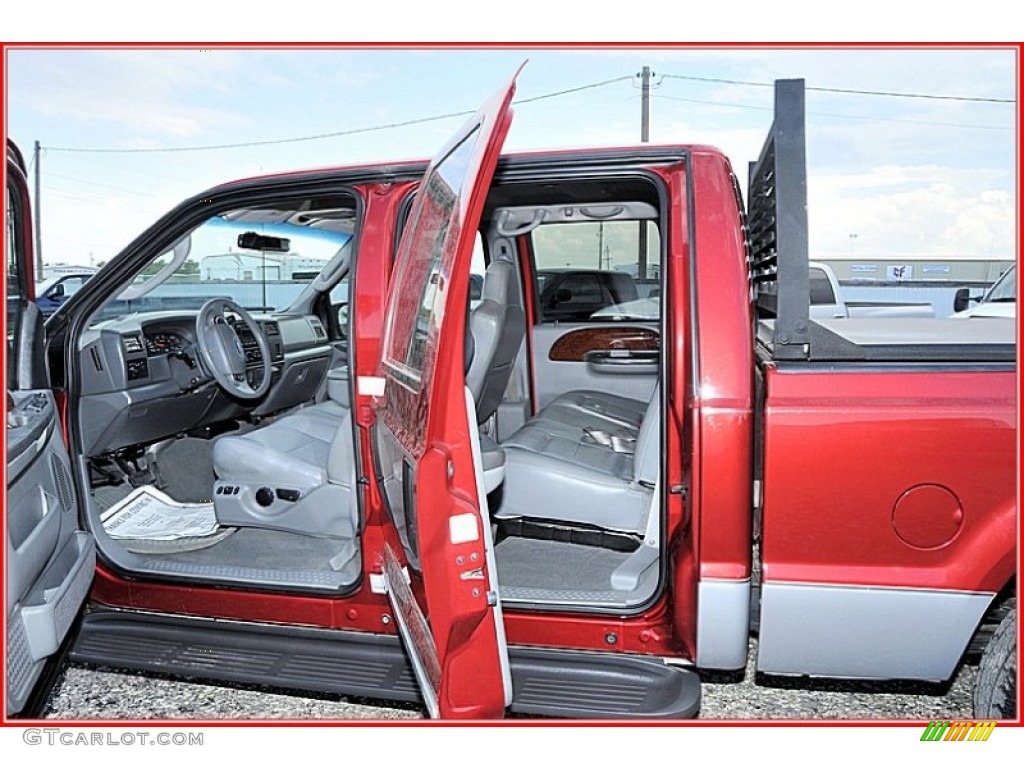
260 259
1005 289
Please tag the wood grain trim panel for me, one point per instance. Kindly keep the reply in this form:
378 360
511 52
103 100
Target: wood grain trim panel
574 345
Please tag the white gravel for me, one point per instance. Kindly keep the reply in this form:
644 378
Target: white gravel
86 693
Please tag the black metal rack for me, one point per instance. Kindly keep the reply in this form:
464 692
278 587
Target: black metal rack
777 225
778 258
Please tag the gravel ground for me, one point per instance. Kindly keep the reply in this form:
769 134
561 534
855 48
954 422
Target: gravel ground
87 693
786 698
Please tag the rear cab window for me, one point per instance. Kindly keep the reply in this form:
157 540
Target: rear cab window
597 271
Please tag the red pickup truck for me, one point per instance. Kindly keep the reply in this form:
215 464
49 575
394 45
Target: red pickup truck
482 505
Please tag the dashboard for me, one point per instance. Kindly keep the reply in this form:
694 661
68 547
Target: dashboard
142 379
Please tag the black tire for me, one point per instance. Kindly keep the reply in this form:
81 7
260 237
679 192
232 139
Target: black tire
995 690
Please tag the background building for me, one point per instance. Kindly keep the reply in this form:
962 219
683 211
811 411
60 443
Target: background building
259 267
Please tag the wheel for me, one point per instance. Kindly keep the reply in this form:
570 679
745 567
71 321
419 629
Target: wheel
221 352
995 690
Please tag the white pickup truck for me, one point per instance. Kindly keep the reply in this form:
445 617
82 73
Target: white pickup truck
827 301
999 301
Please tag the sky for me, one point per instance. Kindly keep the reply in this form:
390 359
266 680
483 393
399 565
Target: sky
888 176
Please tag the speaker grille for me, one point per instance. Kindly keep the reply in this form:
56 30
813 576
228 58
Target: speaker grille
62 479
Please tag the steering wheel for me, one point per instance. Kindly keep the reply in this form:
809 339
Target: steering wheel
221 352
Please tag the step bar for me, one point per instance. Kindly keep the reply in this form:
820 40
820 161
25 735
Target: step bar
546 683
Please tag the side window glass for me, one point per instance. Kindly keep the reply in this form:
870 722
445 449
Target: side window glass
476 273
71 286
16 295
594 271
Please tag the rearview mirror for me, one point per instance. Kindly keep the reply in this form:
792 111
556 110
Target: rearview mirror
256 242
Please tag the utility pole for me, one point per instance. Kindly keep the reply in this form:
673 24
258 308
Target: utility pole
645 136
600 243
645 105
38 215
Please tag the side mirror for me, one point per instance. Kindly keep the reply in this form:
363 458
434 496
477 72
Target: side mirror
341 317
57 292
962 299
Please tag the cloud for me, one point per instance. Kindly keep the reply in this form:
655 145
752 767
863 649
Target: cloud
128 96
916 210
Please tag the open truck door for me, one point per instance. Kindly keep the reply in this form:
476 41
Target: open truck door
49 559
426 440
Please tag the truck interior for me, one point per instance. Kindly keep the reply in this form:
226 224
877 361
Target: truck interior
151 415
562 360
577 428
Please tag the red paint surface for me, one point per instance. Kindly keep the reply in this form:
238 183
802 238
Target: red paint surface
722 442
842 448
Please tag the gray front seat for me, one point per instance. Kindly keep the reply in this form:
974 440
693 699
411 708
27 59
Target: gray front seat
498 326
296 474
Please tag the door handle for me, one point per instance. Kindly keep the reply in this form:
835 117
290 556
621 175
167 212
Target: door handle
623 361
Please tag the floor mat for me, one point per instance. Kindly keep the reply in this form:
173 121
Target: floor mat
555 565
186 469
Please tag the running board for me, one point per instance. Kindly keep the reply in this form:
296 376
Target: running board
545 683
600 686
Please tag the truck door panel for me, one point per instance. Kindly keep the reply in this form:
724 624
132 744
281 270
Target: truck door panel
595 356
427 446
49 561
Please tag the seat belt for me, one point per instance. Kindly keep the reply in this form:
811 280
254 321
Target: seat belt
618 443
627 576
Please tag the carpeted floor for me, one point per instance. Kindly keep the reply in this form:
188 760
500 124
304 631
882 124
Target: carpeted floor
186 467
555 565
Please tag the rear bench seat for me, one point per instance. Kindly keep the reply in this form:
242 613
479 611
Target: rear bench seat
588 458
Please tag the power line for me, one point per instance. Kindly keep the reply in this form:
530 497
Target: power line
847 117
97 184
847 90
572 90
334 134
293 140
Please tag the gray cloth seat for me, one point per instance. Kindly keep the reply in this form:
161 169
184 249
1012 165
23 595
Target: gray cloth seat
497 327
292 449
306 464
557 468
597 409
